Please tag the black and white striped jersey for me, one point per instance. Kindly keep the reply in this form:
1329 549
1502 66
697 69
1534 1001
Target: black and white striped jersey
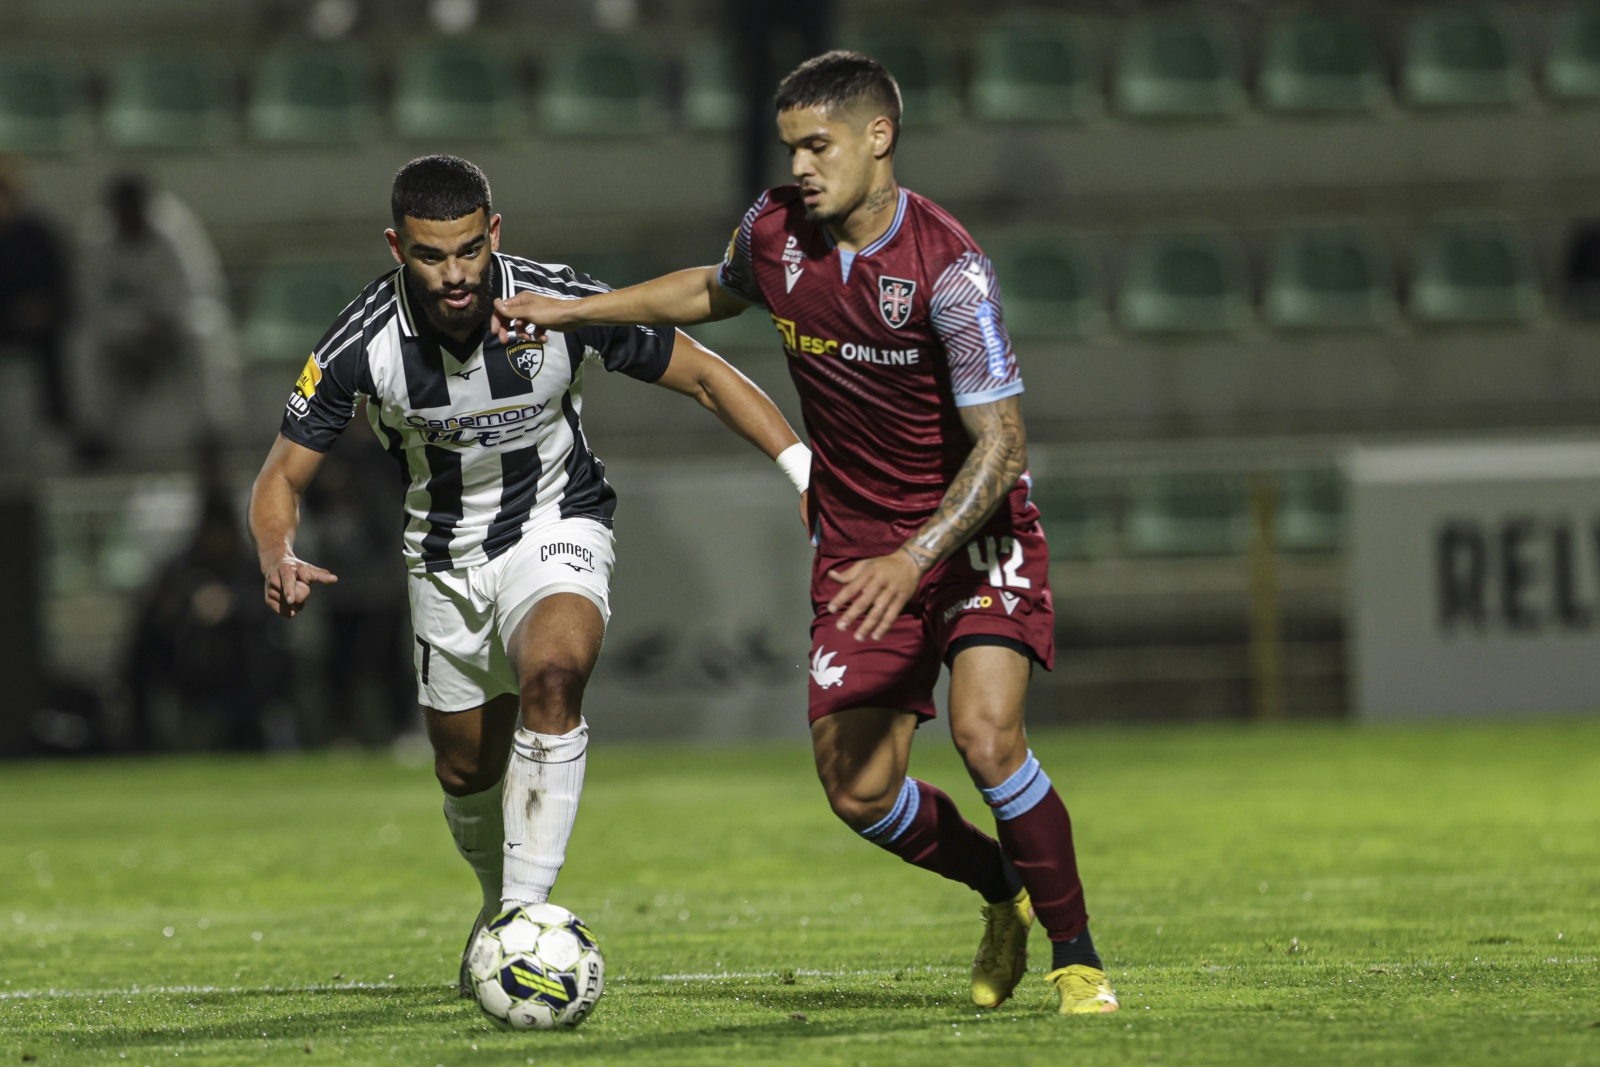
492 443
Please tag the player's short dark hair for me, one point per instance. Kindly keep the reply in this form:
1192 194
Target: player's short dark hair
841 80
439 188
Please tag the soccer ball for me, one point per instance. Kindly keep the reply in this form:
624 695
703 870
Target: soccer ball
536 968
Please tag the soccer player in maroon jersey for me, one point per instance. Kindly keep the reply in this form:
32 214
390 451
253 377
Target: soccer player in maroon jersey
929 549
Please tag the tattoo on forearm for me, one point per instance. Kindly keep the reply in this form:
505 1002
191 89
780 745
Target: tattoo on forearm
880 199
997 459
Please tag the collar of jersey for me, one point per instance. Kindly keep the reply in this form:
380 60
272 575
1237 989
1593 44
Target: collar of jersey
888 235
408 325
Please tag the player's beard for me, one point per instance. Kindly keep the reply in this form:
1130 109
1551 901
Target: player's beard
442 316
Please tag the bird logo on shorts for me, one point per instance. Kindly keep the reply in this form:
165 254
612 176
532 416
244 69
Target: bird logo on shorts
823 672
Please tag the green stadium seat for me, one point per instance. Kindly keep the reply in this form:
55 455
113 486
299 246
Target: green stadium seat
1051 287
173 100
1177 67
713 99
1184 282
1329 277
1188 515
751 331
922 68
313 95
616 269
1474 273
294 304
1464 55
42 106
1572 72
1034 70
457 90
602 84
1323 61
1079 517
1311 511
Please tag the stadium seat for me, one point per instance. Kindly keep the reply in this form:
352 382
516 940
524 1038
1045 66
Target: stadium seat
1034 70
458 91
1329 277
1080 520
1474 273
751 331
42 108
1464 55
713 101
602 84
922 68
1184 282
616 269
312 95
1179 66
1051 287
1321 61
175 100
1311 511
1188 515
293 305
1572 72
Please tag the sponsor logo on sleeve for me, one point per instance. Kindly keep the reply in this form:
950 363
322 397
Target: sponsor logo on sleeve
305 387
894 300
994 343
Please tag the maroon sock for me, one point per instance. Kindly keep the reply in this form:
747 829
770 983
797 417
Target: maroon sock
1036 834
926 829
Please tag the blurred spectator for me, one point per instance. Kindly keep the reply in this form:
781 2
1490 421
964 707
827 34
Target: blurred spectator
35 292
202 641
351 530
158 342
1583 271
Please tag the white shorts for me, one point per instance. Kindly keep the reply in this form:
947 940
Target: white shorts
464 618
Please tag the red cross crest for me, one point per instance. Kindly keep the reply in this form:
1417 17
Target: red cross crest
894 300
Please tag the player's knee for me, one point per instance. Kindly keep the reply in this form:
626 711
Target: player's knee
859 808
551 688
462 774
990 754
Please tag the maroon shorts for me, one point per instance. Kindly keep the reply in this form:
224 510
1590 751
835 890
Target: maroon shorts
994 586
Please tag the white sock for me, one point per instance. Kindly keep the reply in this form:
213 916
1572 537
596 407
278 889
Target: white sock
479 831
543 784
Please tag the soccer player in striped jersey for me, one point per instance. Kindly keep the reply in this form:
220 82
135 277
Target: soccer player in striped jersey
929 548
508 534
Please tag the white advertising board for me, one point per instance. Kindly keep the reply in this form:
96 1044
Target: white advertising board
1475 579
710 605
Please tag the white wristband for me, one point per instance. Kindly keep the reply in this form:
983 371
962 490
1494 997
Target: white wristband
796 463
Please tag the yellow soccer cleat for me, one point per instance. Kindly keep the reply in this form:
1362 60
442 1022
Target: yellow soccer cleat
1003 954
1083 990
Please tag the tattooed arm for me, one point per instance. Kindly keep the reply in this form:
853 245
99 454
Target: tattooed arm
874 590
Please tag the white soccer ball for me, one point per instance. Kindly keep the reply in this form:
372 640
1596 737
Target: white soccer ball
536 968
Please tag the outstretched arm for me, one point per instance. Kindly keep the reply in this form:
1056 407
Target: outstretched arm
874 590
713 383
682 298
274 518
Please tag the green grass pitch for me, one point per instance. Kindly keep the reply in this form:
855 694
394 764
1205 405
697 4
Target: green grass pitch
1325 894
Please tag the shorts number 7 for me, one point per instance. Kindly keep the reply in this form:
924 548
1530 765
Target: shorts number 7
986 554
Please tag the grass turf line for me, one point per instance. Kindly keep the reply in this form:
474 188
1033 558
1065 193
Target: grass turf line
1323 894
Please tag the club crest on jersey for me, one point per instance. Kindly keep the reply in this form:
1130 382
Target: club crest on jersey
527 357
894 300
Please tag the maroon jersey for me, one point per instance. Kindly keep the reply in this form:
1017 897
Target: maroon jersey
884 346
